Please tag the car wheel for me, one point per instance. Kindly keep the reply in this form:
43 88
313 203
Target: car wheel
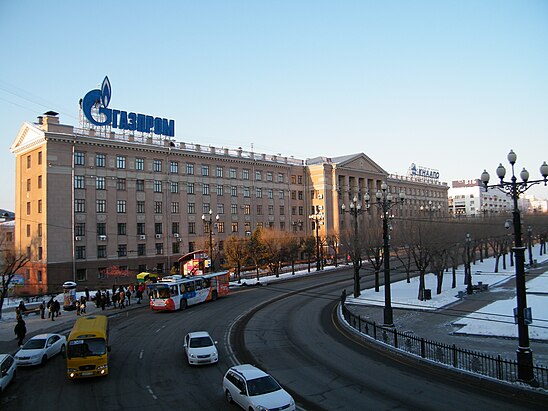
14 375
63 351
183 304
44 359
214 295
228 396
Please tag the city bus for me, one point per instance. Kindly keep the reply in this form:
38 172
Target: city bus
177 292
87 348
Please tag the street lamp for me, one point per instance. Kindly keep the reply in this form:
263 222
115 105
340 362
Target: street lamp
468 276
317 217
385 201
208 220
513 188
355 209
430 208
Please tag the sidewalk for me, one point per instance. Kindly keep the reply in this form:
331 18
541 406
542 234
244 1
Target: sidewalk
438 325
62 324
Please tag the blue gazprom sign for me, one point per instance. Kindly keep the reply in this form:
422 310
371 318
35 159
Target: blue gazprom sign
122 119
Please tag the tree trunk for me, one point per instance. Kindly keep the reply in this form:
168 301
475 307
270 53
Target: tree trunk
377 286
440 282
421 285
454 278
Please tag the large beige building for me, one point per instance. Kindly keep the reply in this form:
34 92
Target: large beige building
92 204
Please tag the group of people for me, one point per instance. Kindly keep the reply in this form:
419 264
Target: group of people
119 297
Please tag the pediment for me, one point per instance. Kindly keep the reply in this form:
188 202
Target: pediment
27 135
361 162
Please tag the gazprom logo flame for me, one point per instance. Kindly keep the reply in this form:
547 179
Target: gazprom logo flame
122 119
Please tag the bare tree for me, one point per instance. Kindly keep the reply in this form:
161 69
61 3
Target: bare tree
236 253
308 247
292 246
11 262
333 242
255 250
273 245
421 250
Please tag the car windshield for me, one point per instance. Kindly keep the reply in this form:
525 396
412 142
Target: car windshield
199 342
263 385
35 344
86 347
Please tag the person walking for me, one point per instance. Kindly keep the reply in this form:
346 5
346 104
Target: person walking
20 331
42 310
56 308
122 297
82 305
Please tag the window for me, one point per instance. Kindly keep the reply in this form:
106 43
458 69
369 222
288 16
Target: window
293 195
28 161
100 160
190 188
29 255
205 170
220 227
299 179
220 208
258 175
219 172
220 189
157 186
141 229
39 230
100 183
300 193
245 174
121 206
79 205
121 162
158 207
234 227
139 185
159 248
174 207
234 191
259 209
101 251
122 250
270 209
140 207
269 176
205 208
301 210
259 192
158 228
102 273
39 158
293 179
100 206
192 227
233 208
190 169
28 207
157 166
247 209
141 249
293 210
174 187
121 184
282 210
101 228
247 228
39 272
205 189
174 167
281 194
28 230
139 164
122 229
80 252
232 173
39 181
81 274
80 229
79 158
191 208
175 228
28 184
246 192
270 194
280 178
176 247
39 206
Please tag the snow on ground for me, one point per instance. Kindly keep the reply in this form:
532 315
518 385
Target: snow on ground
500 313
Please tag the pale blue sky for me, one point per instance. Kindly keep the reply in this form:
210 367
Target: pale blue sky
450 85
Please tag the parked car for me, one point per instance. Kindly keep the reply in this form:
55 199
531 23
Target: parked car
8 369
40 348
200 348
254 389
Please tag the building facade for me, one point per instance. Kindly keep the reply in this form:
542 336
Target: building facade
95 206
468 198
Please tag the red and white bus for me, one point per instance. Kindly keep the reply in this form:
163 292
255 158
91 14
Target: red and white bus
177 292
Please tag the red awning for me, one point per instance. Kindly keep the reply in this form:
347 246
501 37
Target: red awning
190 256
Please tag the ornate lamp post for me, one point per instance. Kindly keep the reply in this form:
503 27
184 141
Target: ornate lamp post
513 188
355 209
317 217
385 201
430 208
468 276
208 220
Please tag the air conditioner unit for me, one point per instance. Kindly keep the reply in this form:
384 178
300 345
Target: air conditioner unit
320 207
158 235
102 237
78 238
176 235
142 237
320 196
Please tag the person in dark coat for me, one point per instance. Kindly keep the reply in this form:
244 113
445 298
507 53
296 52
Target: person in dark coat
42 310
20 331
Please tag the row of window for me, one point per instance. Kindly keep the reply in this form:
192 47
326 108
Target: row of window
158 166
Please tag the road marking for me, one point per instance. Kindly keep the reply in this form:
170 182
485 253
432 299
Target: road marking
141 354
160 329
151 392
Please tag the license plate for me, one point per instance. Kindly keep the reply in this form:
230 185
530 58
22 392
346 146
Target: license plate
87 373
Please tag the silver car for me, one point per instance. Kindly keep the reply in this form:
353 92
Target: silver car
40 348
8 370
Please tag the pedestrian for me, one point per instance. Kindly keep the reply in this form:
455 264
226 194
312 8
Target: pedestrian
50 307
139 294
107 297
87 293
57 308
103 302
98 298
128 295
82 305
42 310
77 304
20 331
122 297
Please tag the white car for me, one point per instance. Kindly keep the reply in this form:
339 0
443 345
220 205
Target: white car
200 348
8 369
39 348
254 389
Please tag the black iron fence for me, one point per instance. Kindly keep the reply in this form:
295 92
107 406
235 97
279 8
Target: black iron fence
449 355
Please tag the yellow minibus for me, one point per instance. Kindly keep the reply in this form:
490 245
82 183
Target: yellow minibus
87 347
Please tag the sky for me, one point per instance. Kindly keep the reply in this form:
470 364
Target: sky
448 85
